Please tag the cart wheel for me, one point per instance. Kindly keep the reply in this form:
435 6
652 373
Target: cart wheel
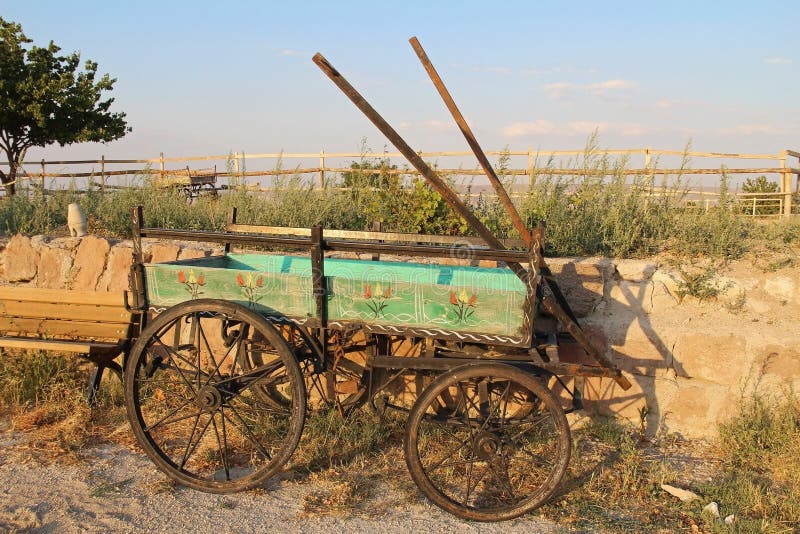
493 454
349 390
195 410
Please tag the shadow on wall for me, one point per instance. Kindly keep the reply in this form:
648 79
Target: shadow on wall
614 309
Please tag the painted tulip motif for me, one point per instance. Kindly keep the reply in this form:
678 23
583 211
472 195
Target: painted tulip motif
377 298
192 283
463 305
250 286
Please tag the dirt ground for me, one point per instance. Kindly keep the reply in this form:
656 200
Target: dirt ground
113 488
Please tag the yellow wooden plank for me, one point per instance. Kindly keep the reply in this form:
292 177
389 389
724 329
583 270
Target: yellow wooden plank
46 310
80 347
37 294
78 329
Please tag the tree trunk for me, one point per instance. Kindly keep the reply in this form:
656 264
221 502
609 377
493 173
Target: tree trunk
9 179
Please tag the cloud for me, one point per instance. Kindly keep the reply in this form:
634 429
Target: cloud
574 128
777 61
519 129
495 70
605 89
584 127
290 52
750 129
665 103
439 126
560 90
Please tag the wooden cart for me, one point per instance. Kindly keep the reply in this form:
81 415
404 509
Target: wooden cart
218 385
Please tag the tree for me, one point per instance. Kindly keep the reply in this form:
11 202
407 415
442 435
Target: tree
46 99
764 205
759 185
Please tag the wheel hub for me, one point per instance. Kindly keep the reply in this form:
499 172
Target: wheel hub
209 399
486 446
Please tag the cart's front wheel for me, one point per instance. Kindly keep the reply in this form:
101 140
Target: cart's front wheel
197 411
478 447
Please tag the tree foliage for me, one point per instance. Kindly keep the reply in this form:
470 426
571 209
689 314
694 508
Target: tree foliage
759 185
45 98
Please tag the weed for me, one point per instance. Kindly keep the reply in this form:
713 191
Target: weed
760 484
700 284
330 440
600 210
110 489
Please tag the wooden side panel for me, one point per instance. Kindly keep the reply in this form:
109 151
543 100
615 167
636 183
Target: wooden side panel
55 345
36 294
82 312
78 329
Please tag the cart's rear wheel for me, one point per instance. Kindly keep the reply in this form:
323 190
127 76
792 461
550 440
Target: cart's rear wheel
347 391
478 446
195 409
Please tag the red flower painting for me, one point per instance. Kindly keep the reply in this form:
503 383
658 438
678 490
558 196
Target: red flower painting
250 286
377 299
192 283
463 305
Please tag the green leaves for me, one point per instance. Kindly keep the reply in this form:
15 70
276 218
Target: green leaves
46 99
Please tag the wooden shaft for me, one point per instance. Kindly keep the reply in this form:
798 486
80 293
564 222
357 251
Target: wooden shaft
416 161
516 220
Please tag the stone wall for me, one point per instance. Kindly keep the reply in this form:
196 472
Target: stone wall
690 361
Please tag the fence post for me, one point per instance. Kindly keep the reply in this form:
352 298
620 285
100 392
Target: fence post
103 174
322 168
242 170
161 165
786 186
235 168
42 179
531 177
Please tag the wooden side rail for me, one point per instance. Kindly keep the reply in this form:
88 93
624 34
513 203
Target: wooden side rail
395 237
97 325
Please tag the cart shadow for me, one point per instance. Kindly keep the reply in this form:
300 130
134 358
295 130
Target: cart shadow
621 308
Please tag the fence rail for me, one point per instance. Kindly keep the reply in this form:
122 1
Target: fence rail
785 166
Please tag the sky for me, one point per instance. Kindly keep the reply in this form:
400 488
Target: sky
201 77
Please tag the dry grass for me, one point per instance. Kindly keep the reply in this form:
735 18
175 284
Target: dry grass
613 483
42 396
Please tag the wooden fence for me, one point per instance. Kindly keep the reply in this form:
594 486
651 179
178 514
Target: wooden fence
317 167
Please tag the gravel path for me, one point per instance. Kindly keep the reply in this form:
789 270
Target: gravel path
114 489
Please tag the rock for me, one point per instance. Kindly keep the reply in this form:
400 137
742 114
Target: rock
21 259
164 252
757 306
118 271
190 253
636 296
669 279
636 270
729 519
781 288
694 406
582 282
90 261
682 494
712 508
54 267
701 355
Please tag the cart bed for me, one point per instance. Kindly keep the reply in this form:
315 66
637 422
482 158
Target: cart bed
451 298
